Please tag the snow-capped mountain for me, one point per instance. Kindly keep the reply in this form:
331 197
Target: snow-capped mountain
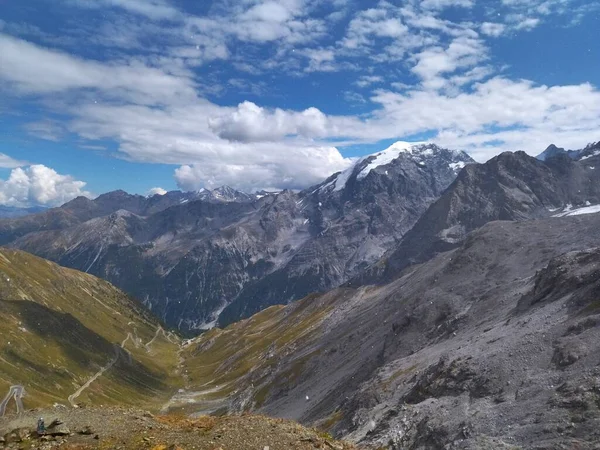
192 255
510 186
225 194
590 151
421 153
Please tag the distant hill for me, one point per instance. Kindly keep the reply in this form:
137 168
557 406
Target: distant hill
8 212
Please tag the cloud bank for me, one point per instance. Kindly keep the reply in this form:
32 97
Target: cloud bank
39 185
409 69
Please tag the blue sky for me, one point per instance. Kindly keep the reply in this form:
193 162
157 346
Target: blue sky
97 95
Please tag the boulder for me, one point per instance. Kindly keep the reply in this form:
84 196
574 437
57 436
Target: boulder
59 430
86 431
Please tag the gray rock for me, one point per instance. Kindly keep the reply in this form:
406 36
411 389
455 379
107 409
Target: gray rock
511 186
513 292
59 430
188 258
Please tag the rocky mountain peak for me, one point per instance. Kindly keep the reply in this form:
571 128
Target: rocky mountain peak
421 155
590 150
550 152
225 194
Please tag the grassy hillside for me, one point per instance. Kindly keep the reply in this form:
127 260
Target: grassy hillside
60 328
239 367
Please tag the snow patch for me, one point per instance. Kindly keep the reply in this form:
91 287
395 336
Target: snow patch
215 316
457 166
596 153
342 178
379 159
390 154
579 211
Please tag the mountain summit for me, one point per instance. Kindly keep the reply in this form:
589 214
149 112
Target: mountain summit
421 153
220 255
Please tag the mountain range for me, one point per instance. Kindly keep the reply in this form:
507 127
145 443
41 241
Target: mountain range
445 303
198 259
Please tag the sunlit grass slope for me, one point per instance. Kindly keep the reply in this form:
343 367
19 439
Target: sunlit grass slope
60 327
250 359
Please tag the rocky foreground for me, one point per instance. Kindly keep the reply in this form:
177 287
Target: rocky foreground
128 429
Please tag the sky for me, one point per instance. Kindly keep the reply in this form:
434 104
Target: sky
155 95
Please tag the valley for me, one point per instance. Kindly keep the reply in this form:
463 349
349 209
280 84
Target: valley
477 327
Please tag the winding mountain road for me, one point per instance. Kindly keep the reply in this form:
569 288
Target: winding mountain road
17 392
97 375
118 350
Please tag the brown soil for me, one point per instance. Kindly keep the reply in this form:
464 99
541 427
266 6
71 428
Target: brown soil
127 429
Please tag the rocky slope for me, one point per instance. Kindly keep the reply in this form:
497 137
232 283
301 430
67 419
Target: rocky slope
511 186
68 337
198 261
492 345
131 429
590 150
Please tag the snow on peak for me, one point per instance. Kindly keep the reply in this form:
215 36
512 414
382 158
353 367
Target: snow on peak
380 159
422 153
390 154
591 155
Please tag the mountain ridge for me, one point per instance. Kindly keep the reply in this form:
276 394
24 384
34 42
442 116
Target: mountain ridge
197 261
511 186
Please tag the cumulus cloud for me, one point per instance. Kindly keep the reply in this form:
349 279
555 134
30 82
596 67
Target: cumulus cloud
251 123
39 185
434 62
265 166
157 191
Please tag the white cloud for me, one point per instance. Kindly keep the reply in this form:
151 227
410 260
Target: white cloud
57 72
251 123
151 104
48 130
434 62
153 9
368 80
156 191
493 29
7 162
528 23
39 185
320 60
374 23
441 4
264 165
498 115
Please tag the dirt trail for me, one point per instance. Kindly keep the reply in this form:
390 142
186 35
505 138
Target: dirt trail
118 351
17 392
98 374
